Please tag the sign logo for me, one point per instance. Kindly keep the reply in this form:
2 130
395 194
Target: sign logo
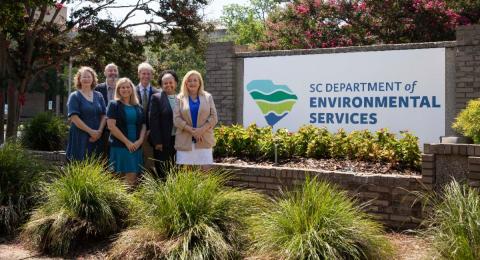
275 101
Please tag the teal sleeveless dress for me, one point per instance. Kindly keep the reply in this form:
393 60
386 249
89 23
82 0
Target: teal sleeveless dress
122 160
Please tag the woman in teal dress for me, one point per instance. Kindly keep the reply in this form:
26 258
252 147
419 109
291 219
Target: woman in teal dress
126 123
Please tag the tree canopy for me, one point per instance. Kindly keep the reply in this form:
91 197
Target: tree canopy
32 40
246 23
320 24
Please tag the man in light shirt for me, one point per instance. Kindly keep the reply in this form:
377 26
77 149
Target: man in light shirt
144 92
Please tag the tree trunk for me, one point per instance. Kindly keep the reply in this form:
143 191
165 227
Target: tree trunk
2 116
46 106
12 121
57 105
3 77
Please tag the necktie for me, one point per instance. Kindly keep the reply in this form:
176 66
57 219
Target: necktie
144 99
110 94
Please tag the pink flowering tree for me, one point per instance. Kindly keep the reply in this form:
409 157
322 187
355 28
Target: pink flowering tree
314 24
403 21
468 9
337 23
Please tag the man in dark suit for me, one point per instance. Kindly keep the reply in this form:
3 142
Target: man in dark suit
144 92
107 89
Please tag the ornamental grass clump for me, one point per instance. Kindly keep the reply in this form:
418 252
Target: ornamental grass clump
19 177
84 202
317 222
454 223
193 215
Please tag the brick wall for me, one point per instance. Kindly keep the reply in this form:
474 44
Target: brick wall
443 162
467 65
393 202
55 158
220 79
392 197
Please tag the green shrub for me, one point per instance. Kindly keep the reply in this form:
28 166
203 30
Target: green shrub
236 141
303 137
386 144
319 146
455 222
239 142
361 145
45 132
253 134
221 141
85 202
193 215
318 222
19 177
408 152
339 146
283 141
468 121
312 142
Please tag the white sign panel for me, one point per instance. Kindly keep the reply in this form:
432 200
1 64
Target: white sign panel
399 90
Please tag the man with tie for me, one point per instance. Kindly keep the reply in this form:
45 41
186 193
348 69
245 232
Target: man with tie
144 92
107 89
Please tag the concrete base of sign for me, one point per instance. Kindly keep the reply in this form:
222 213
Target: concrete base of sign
455 140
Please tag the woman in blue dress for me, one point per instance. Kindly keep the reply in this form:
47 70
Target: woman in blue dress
126 123
86 111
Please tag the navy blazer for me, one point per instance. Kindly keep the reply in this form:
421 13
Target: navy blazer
102 88
161 120
116 110
139 95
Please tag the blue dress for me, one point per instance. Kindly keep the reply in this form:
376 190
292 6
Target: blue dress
122 160
90 112
194 107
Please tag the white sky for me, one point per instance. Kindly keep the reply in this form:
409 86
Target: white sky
212 12
214 9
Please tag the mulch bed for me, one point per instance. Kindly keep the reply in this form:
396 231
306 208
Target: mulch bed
343 165
406 246
410 246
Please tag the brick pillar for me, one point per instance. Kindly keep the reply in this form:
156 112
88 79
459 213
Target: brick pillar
473 174
428 171
220 79
467 65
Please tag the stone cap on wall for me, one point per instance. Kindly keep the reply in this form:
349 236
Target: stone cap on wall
380 47
452 149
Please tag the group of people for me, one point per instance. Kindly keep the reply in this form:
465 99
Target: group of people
141 127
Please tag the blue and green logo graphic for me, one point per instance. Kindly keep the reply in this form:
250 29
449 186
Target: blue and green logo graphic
275 101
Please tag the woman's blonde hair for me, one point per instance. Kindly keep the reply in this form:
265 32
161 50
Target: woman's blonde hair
78 84
133 98
184 90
